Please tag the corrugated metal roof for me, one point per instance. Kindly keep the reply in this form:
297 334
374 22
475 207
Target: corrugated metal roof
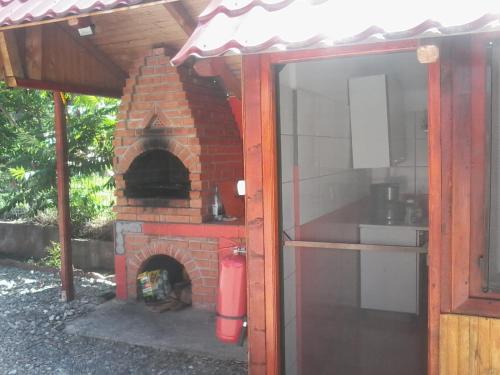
15 12
256 26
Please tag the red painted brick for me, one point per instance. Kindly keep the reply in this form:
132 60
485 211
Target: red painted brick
132 217
121 277
194 274
148 217
195 219
210 282
211 273
205 255
203 263
209 246
180 244
190 266
194 245
202 290
175 218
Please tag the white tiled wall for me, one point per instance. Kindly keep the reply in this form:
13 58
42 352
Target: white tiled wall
326 179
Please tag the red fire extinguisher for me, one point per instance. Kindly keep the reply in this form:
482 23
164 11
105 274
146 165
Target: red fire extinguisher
232 299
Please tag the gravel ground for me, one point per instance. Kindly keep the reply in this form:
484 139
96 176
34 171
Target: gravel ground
32 339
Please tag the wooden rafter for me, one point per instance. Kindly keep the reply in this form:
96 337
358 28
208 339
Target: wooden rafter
94 51
11 59
208 68
180 14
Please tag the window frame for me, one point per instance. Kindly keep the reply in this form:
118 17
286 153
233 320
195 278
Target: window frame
464 173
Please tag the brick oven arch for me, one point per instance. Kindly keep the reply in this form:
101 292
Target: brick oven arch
164 247
188 158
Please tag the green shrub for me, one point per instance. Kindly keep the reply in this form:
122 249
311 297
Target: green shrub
91 202
27 158
53 257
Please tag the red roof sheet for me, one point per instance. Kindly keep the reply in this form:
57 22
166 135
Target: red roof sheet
14 12
256 26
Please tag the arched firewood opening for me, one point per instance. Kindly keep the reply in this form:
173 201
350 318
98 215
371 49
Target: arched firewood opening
177 275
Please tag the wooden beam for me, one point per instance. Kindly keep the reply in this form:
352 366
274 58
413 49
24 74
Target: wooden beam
34 52
95 52
180 14
64 220
68 87
205 68
79 22
96 13
11 58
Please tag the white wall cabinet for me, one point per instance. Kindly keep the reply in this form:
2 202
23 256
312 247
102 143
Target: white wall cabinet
390 280
376 112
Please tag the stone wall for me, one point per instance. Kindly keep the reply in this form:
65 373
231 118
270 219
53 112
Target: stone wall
24 241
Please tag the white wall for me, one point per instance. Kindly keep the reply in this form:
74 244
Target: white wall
412 173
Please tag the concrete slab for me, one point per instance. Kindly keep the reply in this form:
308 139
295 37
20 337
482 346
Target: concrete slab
188 330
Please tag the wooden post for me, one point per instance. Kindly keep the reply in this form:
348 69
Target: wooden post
67 292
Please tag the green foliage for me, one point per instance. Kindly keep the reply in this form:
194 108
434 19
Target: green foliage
27 155
91 201
53 257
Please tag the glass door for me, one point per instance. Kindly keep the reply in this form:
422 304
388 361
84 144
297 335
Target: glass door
354 197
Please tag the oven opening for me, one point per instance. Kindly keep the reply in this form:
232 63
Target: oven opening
157 174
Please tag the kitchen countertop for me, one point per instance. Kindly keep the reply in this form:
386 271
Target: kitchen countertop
423 227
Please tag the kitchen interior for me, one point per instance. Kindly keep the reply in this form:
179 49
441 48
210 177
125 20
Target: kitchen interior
354 215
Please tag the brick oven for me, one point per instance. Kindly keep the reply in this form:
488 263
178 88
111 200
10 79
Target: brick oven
175 141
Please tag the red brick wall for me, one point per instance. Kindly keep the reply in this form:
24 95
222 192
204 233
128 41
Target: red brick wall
199 254
173 109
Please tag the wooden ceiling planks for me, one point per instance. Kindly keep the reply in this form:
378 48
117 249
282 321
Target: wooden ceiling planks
99 62
68 62
126 35
50 16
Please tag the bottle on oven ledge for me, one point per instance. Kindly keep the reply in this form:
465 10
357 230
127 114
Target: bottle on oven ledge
217 206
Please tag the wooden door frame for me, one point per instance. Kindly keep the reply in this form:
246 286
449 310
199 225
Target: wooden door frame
262 200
